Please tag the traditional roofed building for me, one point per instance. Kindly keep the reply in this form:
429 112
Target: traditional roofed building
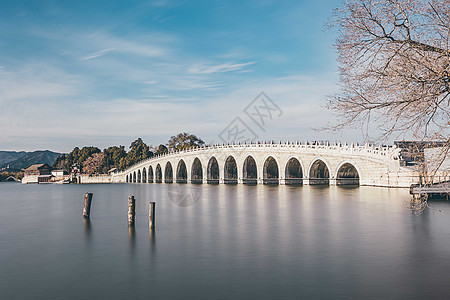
37 173
113 171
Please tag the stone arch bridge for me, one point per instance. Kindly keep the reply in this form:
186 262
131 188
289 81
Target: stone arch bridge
280 163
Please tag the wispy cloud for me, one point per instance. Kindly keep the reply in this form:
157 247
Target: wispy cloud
98 54
151 45
209 69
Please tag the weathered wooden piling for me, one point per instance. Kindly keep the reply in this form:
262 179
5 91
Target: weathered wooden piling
151 214
87 205
131 210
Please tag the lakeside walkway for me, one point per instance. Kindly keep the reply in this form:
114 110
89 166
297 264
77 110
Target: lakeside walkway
441 188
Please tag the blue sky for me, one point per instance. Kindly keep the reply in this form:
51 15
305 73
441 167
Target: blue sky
76 73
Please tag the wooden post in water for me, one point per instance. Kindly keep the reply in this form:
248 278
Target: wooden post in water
151 215
131 210
87 205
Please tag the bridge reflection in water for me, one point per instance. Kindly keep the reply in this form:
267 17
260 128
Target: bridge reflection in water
273 164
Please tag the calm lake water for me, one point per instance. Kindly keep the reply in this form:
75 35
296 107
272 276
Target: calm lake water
236 242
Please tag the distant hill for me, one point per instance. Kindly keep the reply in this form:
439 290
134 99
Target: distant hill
23 160
7 156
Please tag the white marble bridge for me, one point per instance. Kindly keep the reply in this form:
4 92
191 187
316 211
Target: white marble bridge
275 163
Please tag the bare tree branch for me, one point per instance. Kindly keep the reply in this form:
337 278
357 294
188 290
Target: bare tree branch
394 64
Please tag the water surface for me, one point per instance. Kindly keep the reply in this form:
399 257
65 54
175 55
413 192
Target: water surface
236 242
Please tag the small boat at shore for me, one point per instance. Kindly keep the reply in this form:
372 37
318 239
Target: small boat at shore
65 181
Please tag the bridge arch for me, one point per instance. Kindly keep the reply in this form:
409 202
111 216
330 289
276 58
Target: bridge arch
134 177
158 174
294 171
271 172
230 170
150 174
144 175
181 172
213 171
126 179
347 174
139 176
250 171
197 171
319 172
168 173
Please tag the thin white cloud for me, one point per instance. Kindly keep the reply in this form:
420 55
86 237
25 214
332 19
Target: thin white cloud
208 69
190 83
98 54
150 82
155 45
246 71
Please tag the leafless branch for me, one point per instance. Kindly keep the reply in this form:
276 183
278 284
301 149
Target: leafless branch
394 63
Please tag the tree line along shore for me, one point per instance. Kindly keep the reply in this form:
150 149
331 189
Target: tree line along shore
93 160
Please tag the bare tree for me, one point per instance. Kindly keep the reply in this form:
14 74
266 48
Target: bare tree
394 65
93 164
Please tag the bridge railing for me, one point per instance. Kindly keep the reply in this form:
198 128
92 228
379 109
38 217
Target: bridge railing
389 152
